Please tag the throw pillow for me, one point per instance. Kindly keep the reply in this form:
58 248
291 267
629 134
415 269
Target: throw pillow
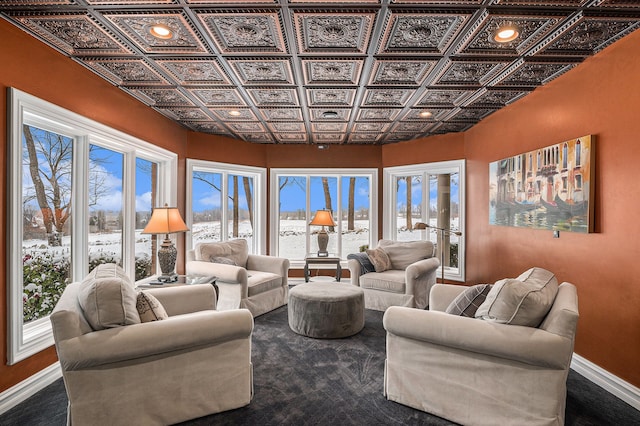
522 301
379 259
149 308
466 303
108 298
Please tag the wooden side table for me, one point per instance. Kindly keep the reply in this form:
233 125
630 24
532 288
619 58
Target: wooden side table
314 259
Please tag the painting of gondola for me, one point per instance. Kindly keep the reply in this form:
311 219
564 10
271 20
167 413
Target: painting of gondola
548 188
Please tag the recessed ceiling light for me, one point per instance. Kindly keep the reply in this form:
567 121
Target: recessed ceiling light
506 33
330 114
161 31
425 114
234 113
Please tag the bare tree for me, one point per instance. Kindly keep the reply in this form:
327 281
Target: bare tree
351 204
327 198
249 197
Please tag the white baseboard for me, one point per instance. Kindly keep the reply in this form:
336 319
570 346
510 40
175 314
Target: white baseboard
29 387
607 381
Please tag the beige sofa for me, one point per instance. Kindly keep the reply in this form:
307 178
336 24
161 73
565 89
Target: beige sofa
255 282
194 363
480 372
411 275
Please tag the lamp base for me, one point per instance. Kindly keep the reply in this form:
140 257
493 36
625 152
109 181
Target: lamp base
167 255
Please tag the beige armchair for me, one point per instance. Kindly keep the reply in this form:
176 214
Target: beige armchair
478 372
255 282
407 282
194 363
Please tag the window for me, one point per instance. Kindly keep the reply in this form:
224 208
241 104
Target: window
225 202
75 186
432 193
296 195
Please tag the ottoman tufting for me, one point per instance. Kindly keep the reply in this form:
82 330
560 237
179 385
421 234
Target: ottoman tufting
326 310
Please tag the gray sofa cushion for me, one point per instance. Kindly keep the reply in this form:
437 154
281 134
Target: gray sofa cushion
236 251
525 300
260 282
404 253
108 298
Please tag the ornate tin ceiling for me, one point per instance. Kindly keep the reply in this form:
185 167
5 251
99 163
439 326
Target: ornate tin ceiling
326 72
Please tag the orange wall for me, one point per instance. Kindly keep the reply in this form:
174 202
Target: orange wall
34 68
600 97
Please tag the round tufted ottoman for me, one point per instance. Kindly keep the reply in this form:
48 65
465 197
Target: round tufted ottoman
326 310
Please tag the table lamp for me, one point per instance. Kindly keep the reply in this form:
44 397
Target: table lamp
323 218
166 220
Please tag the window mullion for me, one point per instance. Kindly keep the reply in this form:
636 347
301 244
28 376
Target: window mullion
80 209
129 213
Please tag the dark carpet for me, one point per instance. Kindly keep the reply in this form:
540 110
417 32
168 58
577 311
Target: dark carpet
303 381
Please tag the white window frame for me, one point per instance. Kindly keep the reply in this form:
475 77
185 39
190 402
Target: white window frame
276 173
24 340
259 176
390 201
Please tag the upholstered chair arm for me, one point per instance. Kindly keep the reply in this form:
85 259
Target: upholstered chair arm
151 339
275 265
224 272
355 270
528 345
441 296
420 276
185 299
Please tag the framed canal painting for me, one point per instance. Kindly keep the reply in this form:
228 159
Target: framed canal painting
548 188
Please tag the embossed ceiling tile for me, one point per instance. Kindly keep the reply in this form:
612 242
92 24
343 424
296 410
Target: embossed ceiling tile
376 114
469 73
471 114
291 137
410 127
335 96
543 3
257 137
263 71
332 71
247 127
398 137
389 97
439 2
495 97
74 34
215 2
274 96
194 71
289 114
232 114
374 127
329 127
333 32
398 72
443 97
160 96
126 72
420 32
38 2
333 114
620 3
245 32
532 74
341 2
137 26
286 127
219 97
590 35
180 113
126 2
364 138
207 127
531 29
329 137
